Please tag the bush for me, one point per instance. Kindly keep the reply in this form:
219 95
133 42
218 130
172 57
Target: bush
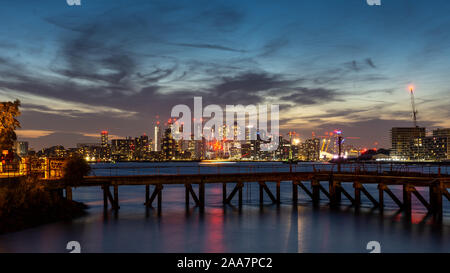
25 194
28 202
74 169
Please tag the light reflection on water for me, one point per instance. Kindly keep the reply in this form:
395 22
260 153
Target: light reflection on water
269 228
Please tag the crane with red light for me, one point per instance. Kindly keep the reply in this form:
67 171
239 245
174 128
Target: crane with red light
413 104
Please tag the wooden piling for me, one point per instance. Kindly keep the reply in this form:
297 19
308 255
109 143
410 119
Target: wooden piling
105 197
278 192
224 192
186 195
116 197
437 189
160 199
315 184
241 186
294 192
147 193
69 193
261 193
357 198
381 196
407 200
201 193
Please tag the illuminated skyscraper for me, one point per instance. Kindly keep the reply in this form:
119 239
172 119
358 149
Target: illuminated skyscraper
157 137
104 139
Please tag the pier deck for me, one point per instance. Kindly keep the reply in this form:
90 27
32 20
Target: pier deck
436 184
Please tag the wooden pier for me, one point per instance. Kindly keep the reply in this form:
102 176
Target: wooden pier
311 183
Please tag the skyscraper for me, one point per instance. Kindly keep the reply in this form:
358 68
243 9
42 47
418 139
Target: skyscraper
157 137
104 139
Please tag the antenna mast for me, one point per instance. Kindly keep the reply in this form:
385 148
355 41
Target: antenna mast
414 111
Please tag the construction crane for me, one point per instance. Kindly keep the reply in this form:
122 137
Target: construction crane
414 111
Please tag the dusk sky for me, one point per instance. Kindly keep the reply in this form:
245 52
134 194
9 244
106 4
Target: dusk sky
330 64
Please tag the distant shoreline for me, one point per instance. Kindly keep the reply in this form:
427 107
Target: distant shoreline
444 163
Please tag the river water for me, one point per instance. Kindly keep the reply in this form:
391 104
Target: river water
270 228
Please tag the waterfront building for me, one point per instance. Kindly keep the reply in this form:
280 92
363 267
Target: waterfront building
104 139
169 146
157 137
444 133
309 150
140 147
406 142
122 149
57 151
429 148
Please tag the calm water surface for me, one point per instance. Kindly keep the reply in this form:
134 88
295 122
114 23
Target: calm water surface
286 228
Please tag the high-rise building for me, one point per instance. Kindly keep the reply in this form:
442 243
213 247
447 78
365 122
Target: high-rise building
169 146
429 148
121 149
445 134
157 137
309 150
105 150
141 148
401 139
104 139
90 151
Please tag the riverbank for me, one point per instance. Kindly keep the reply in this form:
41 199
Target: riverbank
28 203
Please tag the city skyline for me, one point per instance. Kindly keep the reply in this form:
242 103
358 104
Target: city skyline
115 66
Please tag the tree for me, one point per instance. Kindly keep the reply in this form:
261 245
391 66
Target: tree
74 169
9 111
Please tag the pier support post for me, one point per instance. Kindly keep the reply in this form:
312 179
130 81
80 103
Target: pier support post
315 184
436 199
439 209
337 191
381 196
261 193
201 193
147 193
407 199
334 192
357 199
116 198
186 188
294 192
69 193
431 192
278 192
224 193
160 199
241 186
105 197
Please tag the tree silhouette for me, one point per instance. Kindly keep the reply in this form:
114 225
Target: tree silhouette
9 111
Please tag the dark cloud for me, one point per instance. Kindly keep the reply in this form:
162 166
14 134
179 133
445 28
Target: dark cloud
370 63
311 96
209 46
358 66
274 46
248 87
